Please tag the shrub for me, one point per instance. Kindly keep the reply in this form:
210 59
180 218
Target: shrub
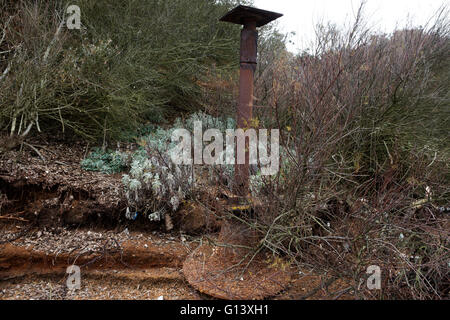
108 162
155 186
132 62
362 121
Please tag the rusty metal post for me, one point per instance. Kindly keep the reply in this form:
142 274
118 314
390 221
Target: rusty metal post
221 272
250 18
249 36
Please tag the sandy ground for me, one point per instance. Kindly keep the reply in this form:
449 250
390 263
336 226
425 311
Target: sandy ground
114 265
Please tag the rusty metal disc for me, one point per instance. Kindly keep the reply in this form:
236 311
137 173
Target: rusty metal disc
228 270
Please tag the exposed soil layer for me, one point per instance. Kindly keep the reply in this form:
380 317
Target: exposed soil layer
47 186
110 254
53 215
113 265
117 265
57 191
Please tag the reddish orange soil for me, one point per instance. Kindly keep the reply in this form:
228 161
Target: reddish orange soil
39 199
138 269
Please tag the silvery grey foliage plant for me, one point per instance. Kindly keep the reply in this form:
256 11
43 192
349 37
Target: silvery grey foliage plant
155 186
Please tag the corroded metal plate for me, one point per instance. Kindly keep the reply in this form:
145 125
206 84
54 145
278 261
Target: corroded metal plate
232 272
242 13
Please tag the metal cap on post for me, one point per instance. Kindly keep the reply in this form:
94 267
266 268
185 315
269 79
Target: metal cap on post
221 271
240 14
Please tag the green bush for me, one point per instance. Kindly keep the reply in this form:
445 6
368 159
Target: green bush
132 62
108 162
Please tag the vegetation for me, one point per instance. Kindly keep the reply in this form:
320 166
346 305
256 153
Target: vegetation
156 187
131 62
363 118
365 121
108 162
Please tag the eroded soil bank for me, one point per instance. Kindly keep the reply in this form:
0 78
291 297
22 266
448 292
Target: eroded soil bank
53 215
113 265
